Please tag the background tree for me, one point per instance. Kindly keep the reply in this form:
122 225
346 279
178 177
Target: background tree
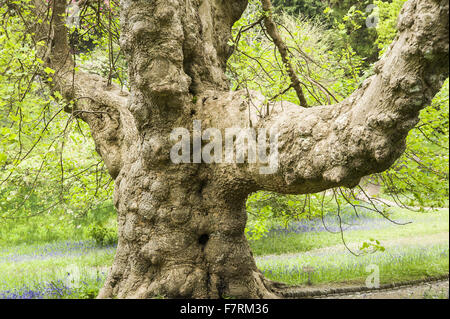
181 227
53 185
349 17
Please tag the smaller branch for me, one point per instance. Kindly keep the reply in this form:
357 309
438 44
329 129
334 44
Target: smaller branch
283 49
340 225
281 93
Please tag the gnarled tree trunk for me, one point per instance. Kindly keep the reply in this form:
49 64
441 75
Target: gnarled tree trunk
181 226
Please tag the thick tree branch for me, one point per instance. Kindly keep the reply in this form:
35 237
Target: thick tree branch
102 106
336 145
181 227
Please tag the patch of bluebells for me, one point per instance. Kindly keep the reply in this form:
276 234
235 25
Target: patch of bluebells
293 267
56 250
349 221
57 289
69 287
52 289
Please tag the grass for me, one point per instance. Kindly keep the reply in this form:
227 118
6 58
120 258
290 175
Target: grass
422 224
62 272
400 264
334 265
78 269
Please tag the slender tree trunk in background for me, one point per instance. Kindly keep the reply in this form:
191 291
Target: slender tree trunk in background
181 226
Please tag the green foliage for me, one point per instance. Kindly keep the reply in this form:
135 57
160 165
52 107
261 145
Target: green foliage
51 177
58 225
422 224
422 172
314 9
322 52
328 72
88 291
96 41
268 211
53 185
309 8
371 246
348 18
388 13
103 236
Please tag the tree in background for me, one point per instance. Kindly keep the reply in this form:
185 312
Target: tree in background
348 16
52 182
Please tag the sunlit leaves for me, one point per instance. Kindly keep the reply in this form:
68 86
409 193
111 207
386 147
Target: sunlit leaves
327 72
387 26
48 163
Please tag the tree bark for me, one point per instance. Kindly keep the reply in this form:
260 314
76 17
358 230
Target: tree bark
181 226
180 236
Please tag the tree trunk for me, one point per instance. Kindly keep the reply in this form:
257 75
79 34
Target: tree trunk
179 237
181 226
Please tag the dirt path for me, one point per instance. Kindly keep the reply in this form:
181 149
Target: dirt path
435 290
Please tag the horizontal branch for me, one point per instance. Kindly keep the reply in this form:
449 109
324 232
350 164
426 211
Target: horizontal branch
336 145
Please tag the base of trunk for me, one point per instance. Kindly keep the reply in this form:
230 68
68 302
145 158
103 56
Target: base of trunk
186 281
179 239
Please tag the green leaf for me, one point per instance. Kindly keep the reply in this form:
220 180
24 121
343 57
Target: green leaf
49 70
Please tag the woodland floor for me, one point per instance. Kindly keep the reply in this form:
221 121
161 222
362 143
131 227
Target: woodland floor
413 252
426 240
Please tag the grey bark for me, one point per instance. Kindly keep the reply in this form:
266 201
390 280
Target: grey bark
181 227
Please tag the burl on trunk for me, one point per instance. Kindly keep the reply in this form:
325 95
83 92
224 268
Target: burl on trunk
181 226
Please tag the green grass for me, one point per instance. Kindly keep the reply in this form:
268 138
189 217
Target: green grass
84 273
398 265
78 269
436 294
54 226
422 224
